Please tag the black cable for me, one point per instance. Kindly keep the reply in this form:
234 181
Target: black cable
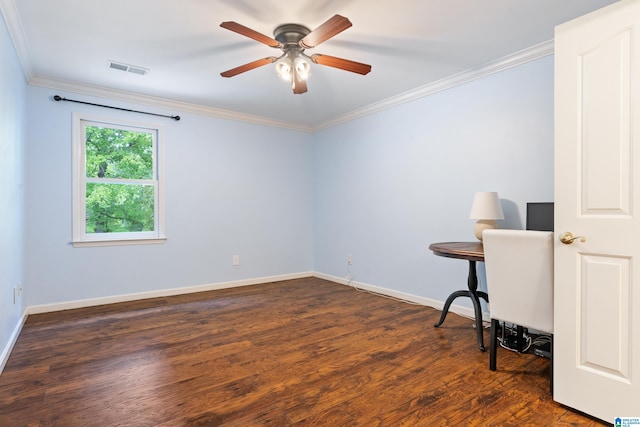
60 98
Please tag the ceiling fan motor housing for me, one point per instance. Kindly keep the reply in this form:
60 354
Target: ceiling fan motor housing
290 34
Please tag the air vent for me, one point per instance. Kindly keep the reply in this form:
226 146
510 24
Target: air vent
130 68
135 70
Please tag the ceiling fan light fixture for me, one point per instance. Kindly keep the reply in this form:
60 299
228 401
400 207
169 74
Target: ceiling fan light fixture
293 62
284 68
302 67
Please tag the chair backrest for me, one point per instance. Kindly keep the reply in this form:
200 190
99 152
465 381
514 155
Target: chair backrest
519 267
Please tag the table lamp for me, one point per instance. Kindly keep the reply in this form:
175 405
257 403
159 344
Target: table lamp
486 209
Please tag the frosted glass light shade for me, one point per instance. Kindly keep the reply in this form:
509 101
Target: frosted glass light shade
293 62
486 209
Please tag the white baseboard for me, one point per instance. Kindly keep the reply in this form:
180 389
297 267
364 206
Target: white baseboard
4 356
438 305
68 305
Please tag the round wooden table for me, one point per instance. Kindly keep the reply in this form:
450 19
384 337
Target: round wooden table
472 252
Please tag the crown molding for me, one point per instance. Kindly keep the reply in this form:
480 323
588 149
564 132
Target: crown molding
136 98
9 12
518 58
521 57
11 17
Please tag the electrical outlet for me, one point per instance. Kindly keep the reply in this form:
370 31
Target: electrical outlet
349 260
236 260
15 294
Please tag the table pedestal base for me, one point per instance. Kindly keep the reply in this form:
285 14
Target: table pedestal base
474 295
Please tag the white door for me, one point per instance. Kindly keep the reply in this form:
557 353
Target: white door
597 195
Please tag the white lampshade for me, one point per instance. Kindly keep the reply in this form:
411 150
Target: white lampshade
486 205
486 209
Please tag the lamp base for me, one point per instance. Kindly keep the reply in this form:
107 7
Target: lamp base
483 224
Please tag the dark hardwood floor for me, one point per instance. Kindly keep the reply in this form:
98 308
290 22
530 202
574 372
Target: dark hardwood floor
298 352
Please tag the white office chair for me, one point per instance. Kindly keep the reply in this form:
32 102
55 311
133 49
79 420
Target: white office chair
519 268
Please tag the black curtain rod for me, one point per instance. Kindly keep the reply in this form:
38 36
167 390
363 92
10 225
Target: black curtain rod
59 98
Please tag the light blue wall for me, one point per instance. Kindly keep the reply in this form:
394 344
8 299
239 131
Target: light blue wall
12 143
380 188
232 188
391 183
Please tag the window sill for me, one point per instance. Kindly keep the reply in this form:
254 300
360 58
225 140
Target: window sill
124 242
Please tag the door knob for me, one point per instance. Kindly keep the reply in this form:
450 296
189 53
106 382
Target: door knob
567 238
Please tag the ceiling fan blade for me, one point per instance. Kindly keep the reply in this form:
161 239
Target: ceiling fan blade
250 66
325 31
299 85
248 32
343 64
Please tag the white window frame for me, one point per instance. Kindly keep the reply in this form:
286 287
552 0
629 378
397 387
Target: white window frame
80 237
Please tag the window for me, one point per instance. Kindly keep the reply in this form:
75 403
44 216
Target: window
117 182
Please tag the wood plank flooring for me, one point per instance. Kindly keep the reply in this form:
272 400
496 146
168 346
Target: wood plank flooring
298 352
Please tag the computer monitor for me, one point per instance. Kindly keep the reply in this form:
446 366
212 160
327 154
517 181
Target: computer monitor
540 216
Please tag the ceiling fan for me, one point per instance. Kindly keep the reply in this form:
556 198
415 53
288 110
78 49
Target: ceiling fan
294 65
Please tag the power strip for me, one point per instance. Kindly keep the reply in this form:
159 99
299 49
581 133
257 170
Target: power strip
543 350
542 353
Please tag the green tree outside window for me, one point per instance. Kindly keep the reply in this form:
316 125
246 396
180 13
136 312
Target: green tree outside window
118 168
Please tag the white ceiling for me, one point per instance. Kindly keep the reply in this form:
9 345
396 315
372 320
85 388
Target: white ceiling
411 44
